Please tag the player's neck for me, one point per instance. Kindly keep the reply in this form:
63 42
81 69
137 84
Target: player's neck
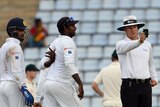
30 79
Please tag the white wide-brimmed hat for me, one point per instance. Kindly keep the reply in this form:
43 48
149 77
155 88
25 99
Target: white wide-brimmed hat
130 21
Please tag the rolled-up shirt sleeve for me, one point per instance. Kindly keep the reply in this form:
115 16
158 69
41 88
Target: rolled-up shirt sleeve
16 59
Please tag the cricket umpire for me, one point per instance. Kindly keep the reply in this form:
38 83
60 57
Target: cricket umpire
13 91
136 61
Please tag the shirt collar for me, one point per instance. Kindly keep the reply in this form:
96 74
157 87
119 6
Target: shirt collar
13 40
28 81
127 39
65 36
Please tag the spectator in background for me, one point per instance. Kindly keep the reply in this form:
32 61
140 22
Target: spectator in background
38 34
31 73
110 77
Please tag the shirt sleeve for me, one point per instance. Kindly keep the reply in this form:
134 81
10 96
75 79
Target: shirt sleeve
41 64
123 47
45 59
16 60
69 51
152 67
98 78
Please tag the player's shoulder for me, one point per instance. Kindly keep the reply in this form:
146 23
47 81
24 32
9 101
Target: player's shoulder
105 69
13 46
65 40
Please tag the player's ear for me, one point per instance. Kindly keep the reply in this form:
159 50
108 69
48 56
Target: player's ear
66 28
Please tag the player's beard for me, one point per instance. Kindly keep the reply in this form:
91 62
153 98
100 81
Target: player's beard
21 37
72 34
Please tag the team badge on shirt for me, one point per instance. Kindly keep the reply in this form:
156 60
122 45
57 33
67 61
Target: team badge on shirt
16 57
68 51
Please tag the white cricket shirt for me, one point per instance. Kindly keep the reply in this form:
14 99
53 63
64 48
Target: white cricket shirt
12 61
136 60
65 56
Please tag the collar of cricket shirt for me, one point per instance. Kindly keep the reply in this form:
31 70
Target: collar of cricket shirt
13 40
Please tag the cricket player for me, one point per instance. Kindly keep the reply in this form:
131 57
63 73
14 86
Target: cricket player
110 77
59 90
13 91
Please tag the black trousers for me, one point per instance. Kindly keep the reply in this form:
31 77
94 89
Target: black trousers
136 94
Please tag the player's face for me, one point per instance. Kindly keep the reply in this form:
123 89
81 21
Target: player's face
132 32
31 74
20 35
72 30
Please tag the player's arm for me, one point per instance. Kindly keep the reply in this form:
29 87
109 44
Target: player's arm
48 59
75 75
51 55
98 80
15 57
69 51
96 88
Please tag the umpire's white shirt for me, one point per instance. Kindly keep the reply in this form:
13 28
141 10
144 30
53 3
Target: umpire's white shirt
136 59
65 57
11 62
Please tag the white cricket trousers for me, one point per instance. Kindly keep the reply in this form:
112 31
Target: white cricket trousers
10 95
60 94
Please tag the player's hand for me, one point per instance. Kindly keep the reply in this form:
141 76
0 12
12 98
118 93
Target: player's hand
37 104
51 55
142 37
81 92
29 100
153 83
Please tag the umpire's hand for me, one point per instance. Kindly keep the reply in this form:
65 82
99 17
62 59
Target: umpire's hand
153 83
142 37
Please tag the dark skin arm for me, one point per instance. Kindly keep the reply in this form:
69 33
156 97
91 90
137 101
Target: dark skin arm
79 82
51 55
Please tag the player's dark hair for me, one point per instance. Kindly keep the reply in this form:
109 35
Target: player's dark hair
64 22
114 55
61 29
